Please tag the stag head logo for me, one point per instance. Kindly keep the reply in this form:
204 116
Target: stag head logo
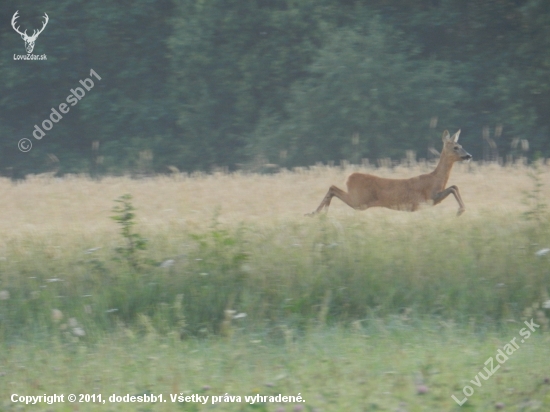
29 40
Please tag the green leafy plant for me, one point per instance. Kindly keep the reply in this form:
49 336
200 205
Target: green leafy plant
538 208
124 215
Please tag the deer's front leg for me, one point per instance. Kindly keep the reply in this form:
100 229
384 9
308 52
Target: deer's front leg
439 197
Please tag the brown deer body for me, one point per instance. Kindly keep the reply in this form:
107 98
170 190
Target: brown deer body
366 190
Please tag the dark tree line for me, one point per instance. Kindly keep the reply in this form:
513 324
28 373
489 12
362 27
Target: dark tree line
225 83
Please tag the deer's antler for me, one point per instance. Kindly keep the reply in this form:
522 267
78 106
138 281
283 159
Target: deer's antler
13 19
35 32
44 23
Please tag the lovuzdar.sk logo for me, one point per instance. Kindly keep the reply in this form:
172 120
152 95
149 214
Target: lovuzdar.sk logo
29 40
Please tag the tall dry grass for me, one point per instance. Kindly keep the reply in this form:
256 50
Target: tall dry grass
48 205
240 242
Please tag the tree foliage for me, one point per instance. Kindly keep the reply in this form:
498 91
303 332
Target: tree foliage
197 84
367 94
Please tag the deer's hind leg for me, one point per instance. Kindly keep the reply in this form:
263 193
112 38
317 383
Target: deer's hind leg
340 194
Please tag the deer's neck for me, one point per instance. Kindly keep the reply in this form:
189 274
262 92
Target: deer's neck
443 171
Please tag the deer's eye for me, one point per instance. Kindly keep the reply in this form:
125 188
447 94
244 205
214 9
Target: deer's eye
456 148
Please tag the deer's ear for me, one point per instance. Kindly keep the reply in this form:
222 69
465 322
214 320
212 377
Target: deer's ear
455 136
446 136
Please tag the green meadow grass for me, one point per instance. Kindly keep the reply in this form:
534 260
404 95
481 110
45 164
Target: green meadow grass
381 365
334 271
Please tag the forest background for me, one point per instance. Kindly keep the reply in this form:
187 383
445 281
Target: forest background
202 85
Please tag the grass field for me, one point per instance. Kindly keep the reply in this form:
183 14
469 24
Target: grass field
43 204
237 292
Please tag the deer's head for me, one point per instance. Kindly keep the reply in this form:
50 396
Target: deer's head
29 40
451 148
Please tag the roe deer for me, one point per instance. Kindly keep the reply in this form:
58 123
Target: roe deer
366 190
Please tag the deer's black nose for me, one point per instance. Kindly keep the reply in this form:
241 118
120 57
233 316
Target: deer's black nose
467 156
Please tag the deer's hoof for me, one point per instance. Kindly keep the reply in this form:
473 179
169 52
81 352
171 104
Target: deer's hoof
460 211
